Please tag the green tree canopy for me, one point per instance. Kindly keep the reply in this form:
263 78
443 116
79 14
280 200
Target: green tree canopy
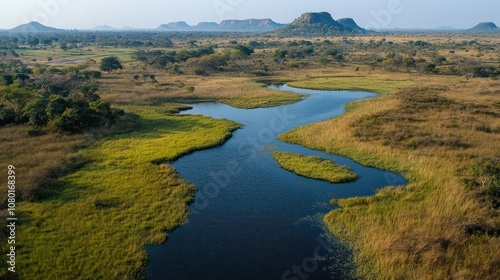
111 63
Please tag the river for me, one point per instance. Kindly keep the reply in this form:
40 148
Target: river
252 219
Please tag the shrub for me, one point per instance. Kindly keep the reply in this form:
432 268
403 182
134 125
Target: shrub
200 72
69 121
485 175
7 115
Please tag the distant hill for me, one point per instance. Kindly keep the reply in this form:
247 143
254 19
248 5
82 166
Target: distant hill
104 28
485 27
249 25
130 28
34 27
315 24
206 26
164 27
180 26
349 22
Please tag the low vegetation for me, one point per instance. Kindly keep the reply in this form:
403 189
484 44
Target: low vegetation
315 167
442 135
126 196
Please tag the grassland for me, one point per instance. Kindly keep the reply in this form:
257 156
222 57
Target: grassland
107 193
57 56
238 91
94 200
315 167
101 216
431 129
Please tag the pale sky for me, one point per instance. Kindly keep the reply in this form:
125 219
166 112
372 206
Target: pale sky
84 14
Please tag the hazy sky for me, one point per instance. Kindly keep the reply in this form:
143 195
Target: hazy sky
81 14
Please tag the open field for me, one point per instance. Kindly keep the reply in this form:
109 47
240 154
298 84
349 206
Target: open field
116 185
73 56
241 92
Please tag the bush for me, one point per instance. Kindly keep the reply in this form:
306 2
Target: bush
200 72
485 176
56 106
69 121
102 109
7 115
35 111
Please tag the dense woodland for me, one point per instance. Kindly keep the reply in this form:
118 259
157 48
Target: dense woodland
56 99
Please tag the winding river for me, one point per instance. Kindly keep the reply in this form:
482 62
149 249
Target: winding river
252 219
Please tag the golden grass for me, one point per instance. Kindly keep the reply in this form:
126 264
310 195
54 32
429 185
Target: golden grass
315 167
241 92
420 231
38 160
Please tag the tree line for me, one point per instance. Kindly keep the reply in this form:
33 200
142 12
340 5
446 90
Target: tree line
49 98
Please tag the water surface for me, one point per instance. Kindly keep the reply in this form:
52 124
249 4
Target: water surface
252 219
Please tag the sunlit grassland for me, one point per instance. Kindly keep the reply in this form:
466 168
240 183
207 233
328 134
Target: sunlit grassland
241 92
121 87
315 167
95 222
430 130
60 57
374 83
37 160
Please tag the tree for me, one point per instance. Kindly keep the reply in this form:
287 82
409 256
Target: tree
91 75
212 61
56 106
244 49
15 96
279 57
36 112
69 121
6 115
485 175
109 64
409 62
33 42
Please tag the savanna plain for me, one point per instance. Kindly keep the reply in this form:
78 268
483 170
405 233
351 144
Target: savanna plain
92 125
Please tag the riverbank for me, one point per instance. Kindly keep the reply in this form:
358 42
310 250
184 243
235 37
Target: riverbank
432 130
97 220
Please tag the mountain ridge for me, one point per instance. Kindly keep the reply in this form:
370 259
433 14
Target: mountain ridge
485 27
308 24
349 22
315 24
236 25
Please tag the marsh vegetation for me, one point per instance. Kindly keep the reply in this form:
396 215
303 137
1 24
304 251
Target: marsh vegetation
315 167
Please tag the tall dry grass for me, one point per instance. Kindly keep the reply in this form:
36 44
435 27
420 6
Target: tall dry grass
38 160
422 231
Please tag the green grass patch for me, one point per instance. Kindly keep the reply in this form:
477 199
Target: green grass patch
262 102
72 55
315 167
94 223
369 83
